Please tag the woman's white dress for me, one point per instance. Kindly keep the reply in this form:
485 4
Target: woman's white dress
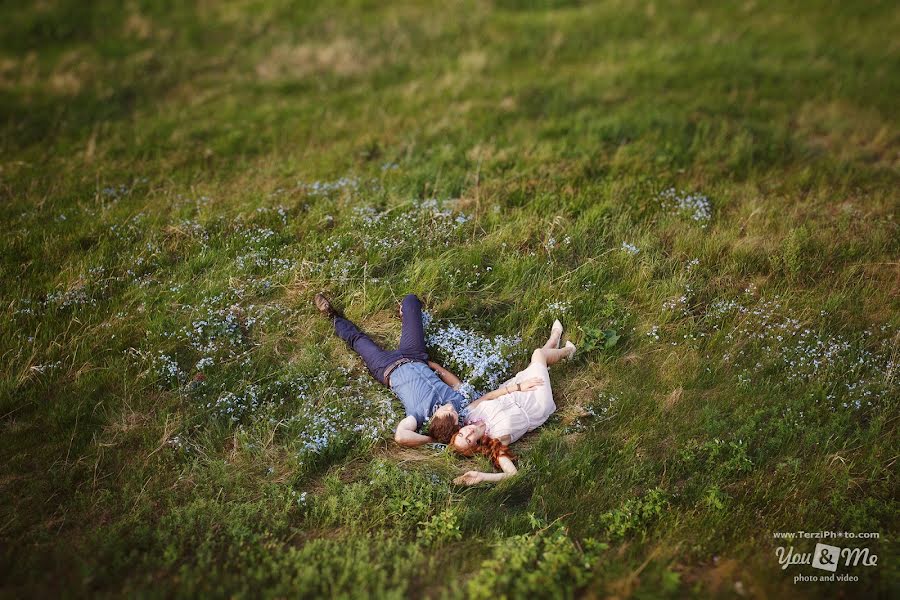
517 413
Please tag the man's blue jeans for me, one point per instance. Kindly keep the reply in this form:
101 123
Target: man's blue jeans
377 359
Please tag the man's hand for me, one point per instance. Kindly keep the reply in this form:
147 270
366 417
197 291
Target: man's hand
470 478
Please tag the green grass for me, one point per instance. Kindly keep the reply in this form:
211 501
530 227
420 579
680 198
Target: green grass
156 176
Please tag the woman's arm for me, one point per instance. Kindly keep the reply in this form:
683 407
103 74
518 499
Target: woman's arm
474 477
528 384
488 397
445 375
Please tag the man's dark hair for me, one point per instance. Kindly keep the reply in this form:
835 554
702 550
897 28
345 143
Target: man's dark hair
442 428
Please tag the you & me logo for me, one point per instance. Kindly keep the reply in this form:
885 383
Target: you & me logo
826 558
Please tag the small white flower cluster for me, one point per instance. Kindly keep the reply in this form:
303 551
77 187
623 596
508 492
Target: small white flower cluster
114 192
183 201
220 330
374 236
459 277
339 270
338 265
426 223
324 428
76 296
87 289
167 369
220 327
682 300
26 307
255 236
45 368
557 308
195 231
602 405
468 391
222 324
234 406
140 272
673 303
131 230
852 372
478 359
279 210
299 497
326 188
256 399
695 206
630 248
263 260
339 411
721 307
597 410
260 250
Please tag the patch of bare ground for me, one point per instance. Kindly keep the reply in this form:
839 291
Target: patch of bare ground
625 586
723 577
72 72
849 133
340 56
22 71
679 365
673 398
138 26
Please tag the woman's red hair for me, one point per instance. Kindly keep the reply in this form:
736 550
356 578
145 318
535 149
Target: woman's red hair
487 446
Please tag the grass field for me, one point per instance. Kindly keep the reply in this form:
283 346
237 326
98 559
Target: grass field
706 194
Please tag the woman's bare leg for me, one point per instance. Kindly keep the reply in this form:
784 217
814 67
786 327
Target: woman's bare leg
550 356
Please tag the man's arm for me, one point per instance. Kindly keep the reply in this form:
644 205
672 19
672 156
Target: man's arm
445 375
406 435
474 477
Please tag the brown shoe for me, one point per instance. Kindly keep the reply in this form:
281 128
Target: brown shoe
324 305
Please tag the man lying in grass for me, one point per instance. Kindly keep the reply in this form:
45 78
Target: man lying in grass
501 417
427 390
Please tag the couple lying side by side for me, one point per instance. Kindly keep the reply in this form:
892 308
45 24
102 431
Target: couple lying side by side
429 392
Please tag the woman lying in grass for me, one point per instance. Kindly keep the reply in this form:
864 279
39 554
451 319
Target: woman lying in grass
501 417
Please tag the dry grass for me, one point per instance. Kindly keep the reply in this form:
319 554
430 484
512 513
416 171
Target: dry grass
344 57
